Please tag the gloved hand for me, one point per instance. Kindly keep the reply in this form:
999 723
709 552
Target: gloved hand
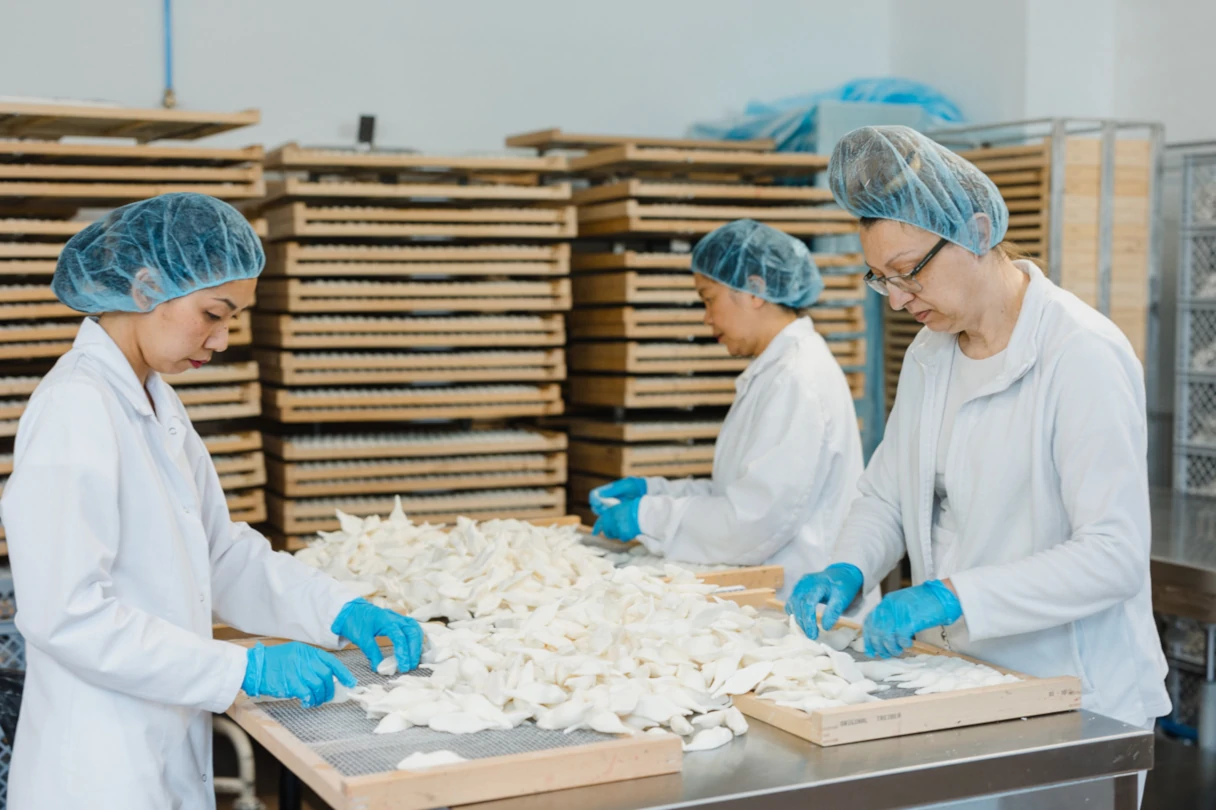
623 489
837 585
620 522
893 625
360 622
294 670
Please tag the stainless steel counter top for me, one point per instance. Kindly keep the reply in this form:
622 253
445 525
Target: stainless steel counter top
767 769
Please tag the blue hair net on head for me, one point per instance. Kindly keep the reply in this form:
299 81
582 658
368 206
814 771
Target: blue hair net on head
754 258
898 173
143 254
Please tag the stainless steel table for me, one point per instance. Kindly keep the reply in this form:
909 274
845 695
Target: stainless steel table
1077 759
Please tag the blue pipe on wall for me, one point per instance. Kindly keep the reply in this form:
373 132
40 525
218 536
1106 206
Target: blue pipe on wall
170 97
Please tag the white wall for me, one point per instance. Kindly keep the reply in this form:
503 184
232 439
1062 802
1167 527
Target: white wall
445 76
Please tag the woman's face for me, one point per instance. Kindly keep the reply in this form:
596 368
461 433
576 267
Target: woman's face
949 282
733 315
183 333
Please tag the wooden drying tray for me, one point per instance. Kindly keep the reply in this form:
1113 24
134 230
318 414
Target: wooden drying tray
668 392
544 140
53 121
488 331
634 287
403 476
632 217
17 226
637 323
228 443
241 471
292 449
299 220
629 158
214 373
329 261
10 251
654 358
623 460
644 431
897 717
32 302
292 156
325 296
240 330
705 192
207 404
120 193
81 155
286 368
635 260
248 506
393 404
294 188
317 515
477 780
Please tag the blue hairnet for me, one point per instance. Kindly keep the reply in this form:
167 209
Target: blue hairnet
143 254
752 257
898 173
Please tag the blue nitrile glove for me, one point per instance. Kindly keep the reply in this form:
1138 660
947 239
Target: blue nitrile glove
620 522
360 622
837 586
893 625
623 489
294 670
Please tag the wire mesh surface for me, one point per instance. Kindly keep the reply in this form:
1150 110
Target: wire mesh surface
342 735
1195 396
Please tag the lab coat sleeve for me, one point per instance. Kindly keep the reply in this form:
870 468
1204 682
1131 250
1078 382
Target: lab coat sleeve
752 518
679 488
61 514
872 537
1099 448
254 588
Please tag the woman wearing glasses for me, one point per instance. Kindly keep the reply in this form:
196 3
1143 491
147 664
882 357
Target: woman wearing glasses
1013 472
788 457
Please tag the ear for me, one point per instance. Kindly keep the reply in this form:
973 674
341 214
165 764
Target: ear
755 289
142 286
983 230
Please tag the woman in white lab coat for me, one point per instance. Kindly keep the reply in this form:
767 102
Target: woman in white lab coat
788 457
121 545
1013 472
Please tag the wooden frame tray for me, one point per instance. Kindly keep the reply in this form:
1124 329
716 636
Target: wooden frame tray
36 311
229 443
419 444
544 140
29 152
635 189
632 217
207 403
27 267
296 188
122 192
622 460
50 120
22 226
312 515
674 289
336 261
321 369
214 373
638 260
241 471
897 717
324 296
628 158
402 476
668 392
654 358
293 156
491 331
686 323
684 429
302 221
393 404
247 506
23 333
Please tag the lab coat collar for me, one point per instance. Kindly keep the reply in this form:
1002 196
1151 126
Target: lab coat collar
95 342
787 337
932 348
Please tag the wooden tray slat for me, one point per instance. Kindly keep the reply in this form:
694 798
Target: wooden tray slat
291 332
294 295
390 446
50 120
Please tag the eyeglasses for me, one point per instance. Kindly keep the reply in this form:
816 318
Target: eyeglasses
906 282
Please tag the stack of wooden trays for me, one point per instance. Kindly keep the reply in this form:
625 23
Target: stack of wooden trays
407 288
51 189
649 384
1023 173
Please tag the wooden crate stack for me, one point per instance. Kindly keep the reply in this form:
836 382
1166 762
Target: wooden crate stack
1023 173
650 384
412 309
51 188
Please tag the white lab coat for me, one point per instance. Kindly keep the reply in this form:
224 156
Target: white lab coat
786 466
1048 482
121 549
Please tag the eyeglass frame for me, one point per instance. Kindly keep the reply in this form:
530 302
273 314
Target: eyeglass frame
879 283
